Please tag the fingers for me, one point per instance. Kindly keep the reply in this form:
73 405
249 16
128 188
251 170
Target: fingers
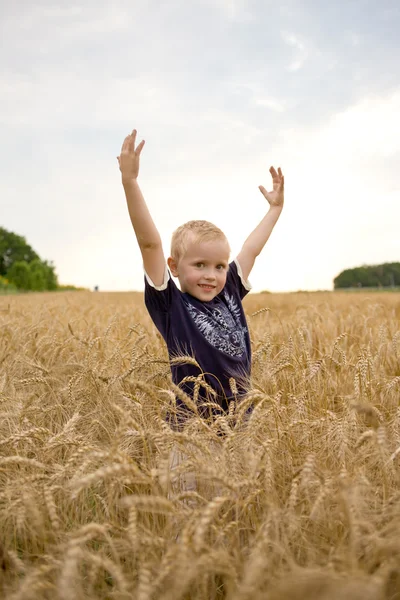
277 177
132 140
278 182
129 143
273 173
140 147
263 190
125 144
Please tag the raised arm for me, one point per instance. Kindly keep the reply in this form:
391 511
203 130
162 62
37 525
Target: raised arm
259 237
147 236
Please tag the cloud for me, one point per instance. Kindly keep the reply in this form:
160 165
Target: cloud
250 88
58 100
301 50
235 10
373 126
270 103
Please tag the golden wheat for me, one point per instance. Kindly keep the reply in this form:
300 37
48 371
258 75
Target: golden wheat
100 498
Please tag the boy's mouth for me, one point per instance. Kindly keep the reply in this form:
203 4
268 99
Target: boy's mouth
206 287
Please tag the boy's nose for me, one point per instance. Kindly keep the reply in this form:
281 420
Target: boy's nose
209 275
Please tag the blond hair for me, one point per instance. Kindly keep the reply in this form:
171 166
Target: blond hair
201 231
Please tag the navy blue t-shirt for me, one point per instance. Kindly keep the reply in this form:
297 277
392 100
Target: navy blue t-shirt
215 333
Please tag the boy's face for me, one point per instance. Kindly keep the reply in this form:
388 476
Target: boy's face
202 269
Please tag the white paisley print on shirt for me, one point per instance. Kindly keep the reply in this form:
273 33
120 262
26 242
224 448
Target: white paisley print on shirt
221 325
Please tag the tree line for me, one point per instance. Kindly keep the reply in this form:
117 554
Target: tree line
21 267
375 276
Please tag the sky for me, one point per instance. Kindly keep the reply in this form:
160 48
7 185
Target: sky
220 90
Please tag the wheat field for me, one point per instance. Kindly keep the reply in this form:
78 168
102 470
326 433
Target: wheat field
300 501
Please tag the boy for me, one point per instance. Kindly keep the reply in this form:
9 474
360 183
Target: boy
205 319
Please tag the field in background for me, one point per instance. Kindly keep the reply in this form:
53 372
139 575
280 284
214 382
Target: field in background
303 501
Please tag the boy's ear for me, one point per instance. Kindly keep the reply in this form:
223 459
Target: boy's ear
172 266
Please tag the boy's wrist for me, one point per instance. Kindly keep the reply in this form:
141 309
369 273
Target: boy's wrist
276 209
126 181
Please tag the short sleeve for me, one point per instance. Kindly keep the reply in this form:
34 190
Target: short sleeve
159 297
235 279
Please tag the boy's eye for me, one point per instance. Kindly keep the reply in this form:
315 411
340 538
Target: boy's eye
199 265
220 267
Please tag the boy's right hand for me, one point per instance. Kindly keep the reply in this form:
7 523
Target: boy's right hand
129 158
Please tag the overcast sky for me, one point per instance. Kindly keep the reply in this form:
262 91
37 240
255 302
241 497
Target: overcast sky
220 90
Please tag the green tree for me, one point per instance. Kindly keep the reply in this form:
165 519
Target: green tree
37 276
20 275
13 248
34 274
345 279
385 275
50 275
42 276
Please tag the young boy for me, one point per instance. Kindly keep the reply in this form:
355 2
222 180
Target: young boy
205 318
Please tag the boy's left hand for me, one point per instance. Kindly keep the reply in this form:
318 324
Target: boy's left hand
275 198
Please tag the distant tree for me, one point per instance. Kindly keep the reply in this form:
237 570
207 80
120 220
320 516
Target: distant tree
22 266
50 275
20 275
37 276
384 275
13 248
